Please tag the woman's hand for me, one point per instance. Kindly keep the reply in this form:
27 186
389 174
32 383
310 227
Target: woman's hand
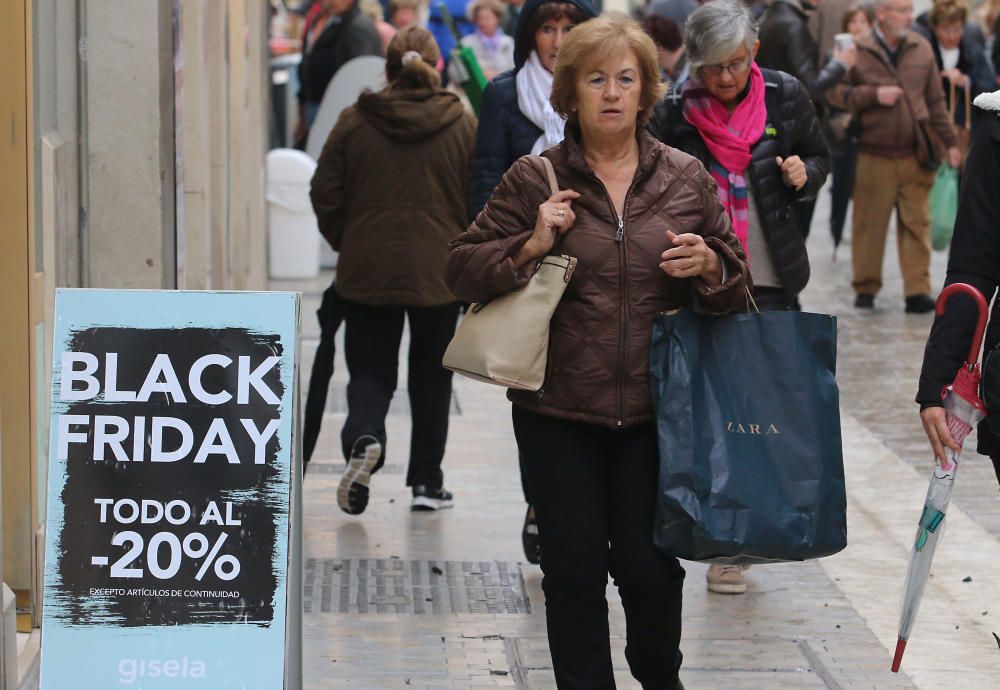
555 217
793 172
935 424
846 57
955 76
691 258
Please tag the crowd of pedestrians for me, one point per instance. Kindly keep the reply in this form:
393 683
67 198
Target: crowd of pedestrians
689 146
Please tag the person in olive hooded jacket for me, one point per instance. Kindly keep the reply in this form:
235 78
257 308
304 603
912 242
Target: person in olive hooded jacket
392 231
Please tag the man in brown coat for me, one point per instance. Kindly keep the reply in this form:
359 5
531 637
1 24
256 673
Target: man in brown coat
896 91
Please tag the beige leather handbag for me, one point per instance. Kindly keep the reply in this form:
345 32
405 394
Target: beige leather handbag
505 341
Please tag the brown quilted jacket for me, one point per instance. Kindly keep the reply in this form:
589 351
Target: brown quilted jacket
598 359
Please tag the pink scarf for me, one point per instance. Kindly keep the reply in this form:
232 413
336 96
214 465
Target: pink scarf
729 138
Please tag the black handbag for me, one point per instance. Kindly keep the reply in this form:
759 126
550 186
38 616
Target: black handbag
989 388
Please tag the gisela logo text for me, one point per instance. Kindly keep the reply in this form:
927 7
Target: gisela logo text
131 670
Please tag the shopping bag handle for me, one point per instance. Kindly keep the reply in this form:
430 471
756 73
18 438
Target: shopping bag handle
751 301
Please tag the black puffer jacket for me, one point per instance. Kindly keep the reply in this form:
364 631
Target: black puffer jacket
792 129
344 38
504 133
786 44
974 259
995 56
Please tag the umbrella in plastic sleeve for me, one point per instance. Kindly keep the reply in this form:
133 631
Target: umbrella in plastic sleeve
964 410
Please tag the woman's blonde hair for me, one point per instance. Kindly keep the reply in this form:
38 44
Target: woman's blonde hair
372 9
596 40
945 12
396 5
410 59
494 6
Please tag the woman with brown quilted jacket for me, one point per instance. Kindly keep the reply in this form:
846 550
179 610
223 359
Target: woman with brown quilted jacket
649 234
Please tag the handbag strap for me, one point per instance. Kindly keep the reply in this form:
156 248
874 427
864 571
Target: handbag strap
550 174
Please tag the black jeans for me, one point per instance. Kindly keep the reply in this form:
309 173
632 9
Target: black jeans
594 492
371 348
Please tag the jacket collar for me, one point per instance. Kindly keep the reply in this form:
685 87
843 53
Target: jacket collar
570 151
872 45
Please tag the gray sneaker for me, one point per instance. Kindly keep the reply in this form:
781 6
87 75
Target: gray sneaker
726 579
352 494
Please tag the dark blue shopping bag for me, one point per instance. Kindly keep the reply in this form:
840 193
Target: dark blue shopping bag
748 418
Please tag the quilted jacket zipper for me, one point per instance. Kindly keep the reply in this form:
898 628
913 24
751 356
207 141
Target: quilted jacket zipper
623 272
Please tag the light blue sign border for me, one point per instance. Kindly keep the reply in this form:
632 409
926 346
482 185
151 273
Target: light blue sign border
237 657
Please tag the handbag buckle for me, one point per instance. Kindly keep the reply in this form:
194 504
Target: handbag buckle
570 267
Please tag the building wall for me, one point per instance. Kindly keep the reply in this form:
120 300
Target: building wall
223 139
195 220
135 160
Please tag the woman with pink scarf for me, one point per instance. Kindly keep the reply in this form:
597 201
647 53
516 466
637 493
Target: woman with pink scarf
756 132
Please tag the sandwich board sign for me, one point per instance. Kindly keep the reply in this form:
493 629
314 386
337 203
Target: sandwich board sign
170 495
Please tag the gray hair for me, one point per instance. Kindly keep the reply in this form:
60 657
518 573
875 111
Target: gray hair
716 30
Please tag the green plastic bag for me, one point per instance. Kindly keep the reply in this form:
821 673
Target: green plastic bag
944 206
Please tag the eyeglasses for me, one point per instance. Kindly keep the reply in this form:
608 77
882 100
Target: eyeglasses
734 68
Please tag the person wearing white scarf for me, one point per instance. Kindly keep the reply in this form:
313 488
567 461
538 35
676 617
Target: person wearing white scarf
515 107
534 88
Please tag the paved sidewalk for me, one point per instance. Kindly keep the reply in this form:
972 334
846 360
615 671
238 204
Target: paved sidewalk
396 599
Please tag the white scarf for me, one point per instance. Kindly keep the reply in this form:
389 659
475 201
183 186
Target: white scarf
534 88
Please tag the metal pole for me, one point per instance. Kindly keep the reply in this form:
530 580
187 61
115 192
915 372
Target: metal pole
293 613
3 609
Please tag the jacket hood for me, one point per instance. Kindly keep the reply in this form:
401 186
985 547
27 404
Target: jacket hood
410 115
524 44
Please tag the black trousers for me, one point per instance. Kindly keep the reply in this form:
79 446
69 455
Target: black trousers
594 492
371 348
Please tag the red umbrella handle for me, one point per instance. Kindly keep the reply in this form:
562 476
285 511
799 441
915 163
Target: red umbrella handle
977 336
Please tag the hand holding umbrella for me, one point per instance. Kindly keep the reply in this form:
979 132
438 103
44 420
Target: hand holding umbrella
963 409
